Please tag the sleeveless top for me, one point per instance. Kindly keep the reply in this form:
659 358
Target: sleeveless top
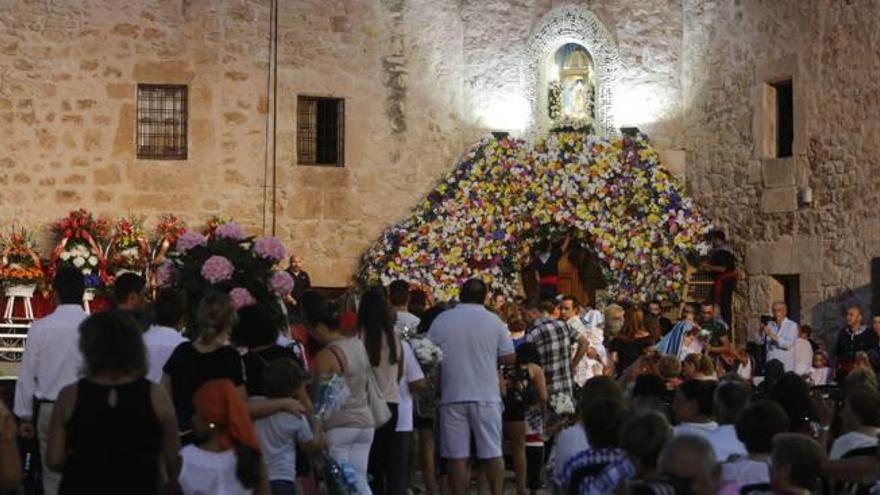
356 412
386 373
112 449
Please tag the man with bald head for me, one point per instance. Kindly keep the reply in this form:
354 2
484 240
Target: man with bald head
689 463
780 335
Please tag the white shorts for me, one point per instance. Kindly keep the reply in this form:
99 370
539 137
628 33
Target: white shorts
460 420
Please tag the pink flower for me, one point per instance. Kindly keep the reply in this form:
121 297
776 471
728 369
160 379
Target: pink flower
281 283
230 230
190 240
270 248
165 274
217 269
241 297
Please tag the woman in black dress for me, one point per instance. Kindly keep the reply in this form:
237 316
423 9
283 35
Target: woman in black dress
633 339
109 428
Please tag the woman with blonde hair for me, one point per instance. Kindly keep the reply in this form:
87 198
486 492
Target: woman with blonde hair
209 356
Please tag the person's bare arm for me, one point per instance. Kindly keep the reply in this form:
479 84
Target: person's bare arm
507 359
540 381
56 450
10 462
168 421
720 349
583 343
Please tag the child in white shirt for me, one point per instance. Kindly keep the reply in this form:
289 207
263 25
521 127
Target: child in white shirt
820 372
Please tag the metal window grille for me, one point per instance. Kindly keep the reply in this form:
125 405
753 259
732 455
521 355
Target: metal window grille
162 122
320 131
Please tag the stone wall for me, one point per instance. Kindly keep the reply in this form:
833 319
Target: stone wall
68 76
420 78
732 48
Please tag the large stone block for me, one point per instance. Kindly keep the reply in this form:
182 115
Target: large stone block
778 172
779 200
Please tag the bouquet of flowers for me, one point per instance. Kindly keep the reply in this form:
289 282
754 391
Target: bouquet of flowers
332 394
561 404
427 353
554 100
20 265
231 262
127 251
80 236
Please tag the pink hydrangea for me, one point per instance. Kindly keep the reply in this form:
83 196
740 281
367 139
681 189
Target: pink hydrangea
189 240
165 274
281 283
230 230
217 269
270 248
241 297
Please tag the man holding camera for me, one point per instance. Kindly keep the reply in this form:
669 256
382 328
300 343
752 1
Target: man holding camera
780 335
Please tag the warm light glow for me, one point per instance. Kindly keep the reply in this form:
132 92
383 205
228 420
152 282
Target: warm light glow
636 106
503 112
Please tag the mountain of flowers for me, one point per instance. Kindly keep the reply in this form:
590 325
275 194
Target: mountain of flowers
506 195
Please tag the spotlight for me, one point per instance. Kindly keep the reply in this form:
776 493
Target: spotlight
630 131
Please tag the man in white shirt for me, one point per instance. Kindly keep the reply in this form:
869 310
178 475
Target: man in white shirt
398 295
780 335
587 322
51 361
474 342
163 336
693 406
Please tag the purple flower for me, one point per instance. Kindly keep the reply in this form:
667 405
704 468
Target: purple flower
165 274
270 248
217 269
190 240
281 283
241 297
230 230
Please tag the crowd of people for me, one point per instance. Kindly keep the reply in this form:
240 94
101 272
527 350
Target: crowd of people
163 393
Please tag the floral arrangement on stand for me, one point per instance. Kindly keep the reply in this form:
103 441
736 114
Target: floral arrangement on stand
504 196
80 236
20 267
231 262
168 230
127 250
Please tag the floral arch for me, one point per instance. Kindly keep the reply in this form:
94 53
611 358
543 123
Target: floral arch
562 25
484 218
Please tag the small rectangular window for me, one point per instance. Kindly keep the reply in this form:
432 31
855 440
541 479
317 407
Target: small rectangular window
161 122
784 118
320 136
791 294
778 119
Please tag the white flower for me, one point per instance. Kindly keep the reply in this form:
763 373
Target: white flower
65 255
93 260
79 261
86 271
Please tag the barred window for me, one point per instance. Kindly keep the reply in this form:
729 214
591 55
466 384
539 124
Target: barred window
320 131
161 122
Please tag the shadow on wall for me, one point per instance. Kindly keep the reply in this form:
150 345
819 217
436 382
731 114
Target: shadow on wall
828 315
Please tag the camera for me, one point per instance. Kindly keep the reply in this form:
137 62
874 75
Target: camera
765 319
